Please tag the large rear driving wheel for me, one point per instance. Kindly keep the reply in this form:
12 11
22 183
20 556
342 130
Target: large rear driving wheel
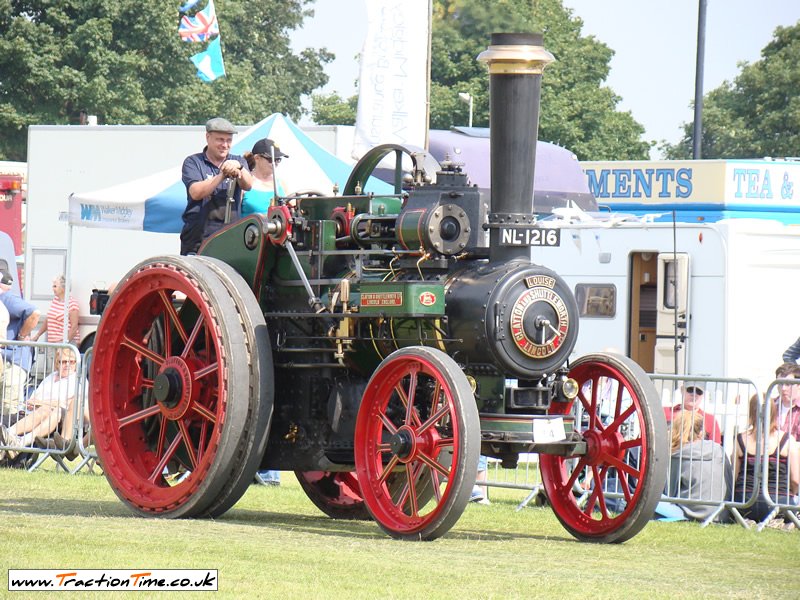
417 442
177 395
610 493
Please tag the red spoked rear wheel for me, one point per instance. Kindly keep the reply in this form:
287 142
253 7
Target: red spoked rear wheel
181 387
610 493
337 494
417 442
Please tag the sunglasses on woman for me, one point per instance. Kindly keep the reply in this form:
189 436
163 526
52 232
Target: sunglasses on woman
269 158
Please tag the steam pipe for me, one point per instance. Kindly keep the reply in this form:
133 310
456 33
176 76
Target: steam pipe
516 62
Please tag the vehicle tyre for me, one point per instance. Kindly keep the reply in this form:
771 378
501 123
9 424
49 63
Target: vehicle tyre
417 442
176 390
610 493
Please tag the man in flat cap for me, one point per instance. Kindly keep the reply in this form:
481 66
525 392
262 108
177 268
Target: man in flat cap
207 176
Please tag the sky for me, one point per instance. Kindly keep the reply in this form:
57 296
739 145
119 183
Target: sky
655 45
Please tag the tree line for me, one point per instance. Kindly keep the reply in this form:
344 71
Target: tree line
123 61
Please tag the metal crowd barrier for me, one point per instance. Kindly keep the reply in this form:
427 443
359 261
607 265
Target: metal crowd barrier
23 395
84 439
727 401
780 496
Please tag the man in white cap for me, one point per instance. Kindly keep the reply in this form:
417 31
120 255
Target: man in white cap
207 176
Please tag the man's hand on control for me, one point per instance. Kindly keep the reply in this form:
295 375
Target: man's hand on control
231 168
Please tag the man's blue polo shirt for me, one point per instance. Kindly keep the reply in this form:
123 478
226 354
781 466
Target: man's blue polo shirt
204 217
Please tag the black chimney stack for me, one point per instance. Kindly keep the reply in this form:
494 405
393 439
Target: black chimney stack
516 62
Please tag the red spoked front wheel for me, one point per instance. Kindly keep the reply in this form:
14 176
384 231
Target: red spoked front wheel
610 493
181 387
417 442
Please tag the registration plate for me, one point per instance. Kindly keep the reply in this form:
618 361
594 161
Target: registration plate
529 236
549 430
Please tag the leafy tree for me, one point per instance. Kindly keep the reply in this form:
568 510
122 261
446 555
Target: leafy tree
756 115
332 109
578 111
124 61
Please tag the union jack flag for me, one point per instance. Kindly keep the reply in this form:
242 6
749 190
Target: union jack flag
188 6
201 27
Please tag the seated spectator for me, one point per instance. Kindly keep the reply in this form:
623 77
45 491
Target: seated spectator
783 470
51 404
16 360
789 406
692 399
699 469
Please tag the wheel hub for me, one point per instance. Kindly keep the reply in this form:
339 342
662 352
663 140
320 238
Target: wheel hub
173 387
168 388
402 444
599 444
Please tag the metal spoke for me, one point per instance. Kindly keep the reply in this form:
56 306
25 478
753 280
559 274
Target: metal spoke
598 494
144 351
412 393
190 341
620 419
590 407
622 466
187 442
388 469
156 473
576 472
162 436
169 308
433 464
433 419
388 424
437 492
204 412
626 488
207 370
412 492
139 415
628 444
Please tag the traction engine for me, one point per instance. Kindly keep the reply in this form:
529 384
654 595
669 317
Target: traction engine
376 345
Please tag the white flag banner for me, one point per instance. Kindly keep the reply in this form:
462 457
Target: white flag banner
393 82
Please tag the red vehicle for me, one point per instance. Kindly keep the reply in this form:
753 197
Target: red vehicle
11 208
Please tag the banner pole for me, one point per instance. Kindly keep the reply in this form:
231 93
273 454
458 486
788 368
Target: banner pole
428 78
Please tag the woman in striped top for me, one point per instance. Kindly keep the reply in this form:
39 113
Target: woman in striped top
54 320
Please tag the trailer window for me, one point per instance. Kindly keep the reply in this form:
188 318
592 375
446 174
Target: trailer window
596 300
669 284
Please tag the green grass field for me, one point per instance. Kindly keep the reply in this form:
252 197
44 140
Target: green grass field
276 544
